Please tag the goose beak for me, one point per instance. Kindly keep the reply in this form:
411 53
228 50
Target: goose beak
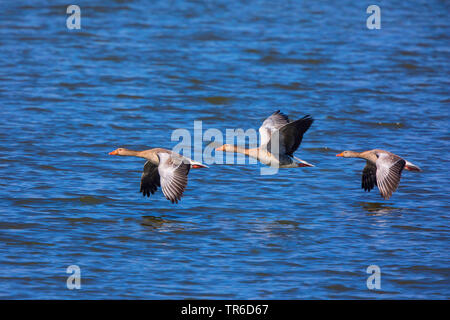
198 166
340 154
114 153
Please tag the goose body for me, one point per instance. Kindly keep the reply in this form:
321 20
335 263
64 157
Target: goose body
279 139
165 169
383 169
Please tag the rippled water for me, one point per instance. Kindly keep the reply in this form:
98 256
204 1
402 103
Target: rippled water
138 70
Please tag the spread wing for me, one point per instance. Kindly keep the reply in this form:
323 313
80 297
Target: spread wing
173 172
149 179
389 170
271 124
291 134
369 177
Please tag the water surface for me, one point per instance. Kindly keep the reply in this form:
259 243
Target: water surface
137 70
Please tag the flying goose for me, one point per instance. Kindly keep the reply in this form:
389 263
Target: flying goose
165 169
279 139
383 169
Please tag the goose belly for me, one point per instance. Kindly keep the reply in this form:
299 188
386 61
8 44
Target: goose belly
283 162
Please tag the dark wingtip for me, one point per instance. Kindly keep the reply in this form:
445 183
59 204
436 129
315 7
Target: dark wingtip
275 113
309 118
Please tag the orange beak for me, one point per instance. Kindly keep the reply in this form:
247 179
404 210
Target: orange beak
114 153
340 154
222 148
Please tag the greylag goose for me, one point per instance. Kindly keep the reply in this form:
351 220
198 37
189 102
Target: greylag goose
165 169
289 135
383 169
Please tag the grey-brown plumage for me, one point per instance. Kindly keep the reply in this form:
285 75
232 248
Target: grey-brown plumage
289 134
383 169
165 169
170 174
279 139
173 176
388 174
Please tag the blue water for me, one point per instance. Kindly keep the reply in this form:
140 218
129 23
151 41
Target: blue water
138 70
